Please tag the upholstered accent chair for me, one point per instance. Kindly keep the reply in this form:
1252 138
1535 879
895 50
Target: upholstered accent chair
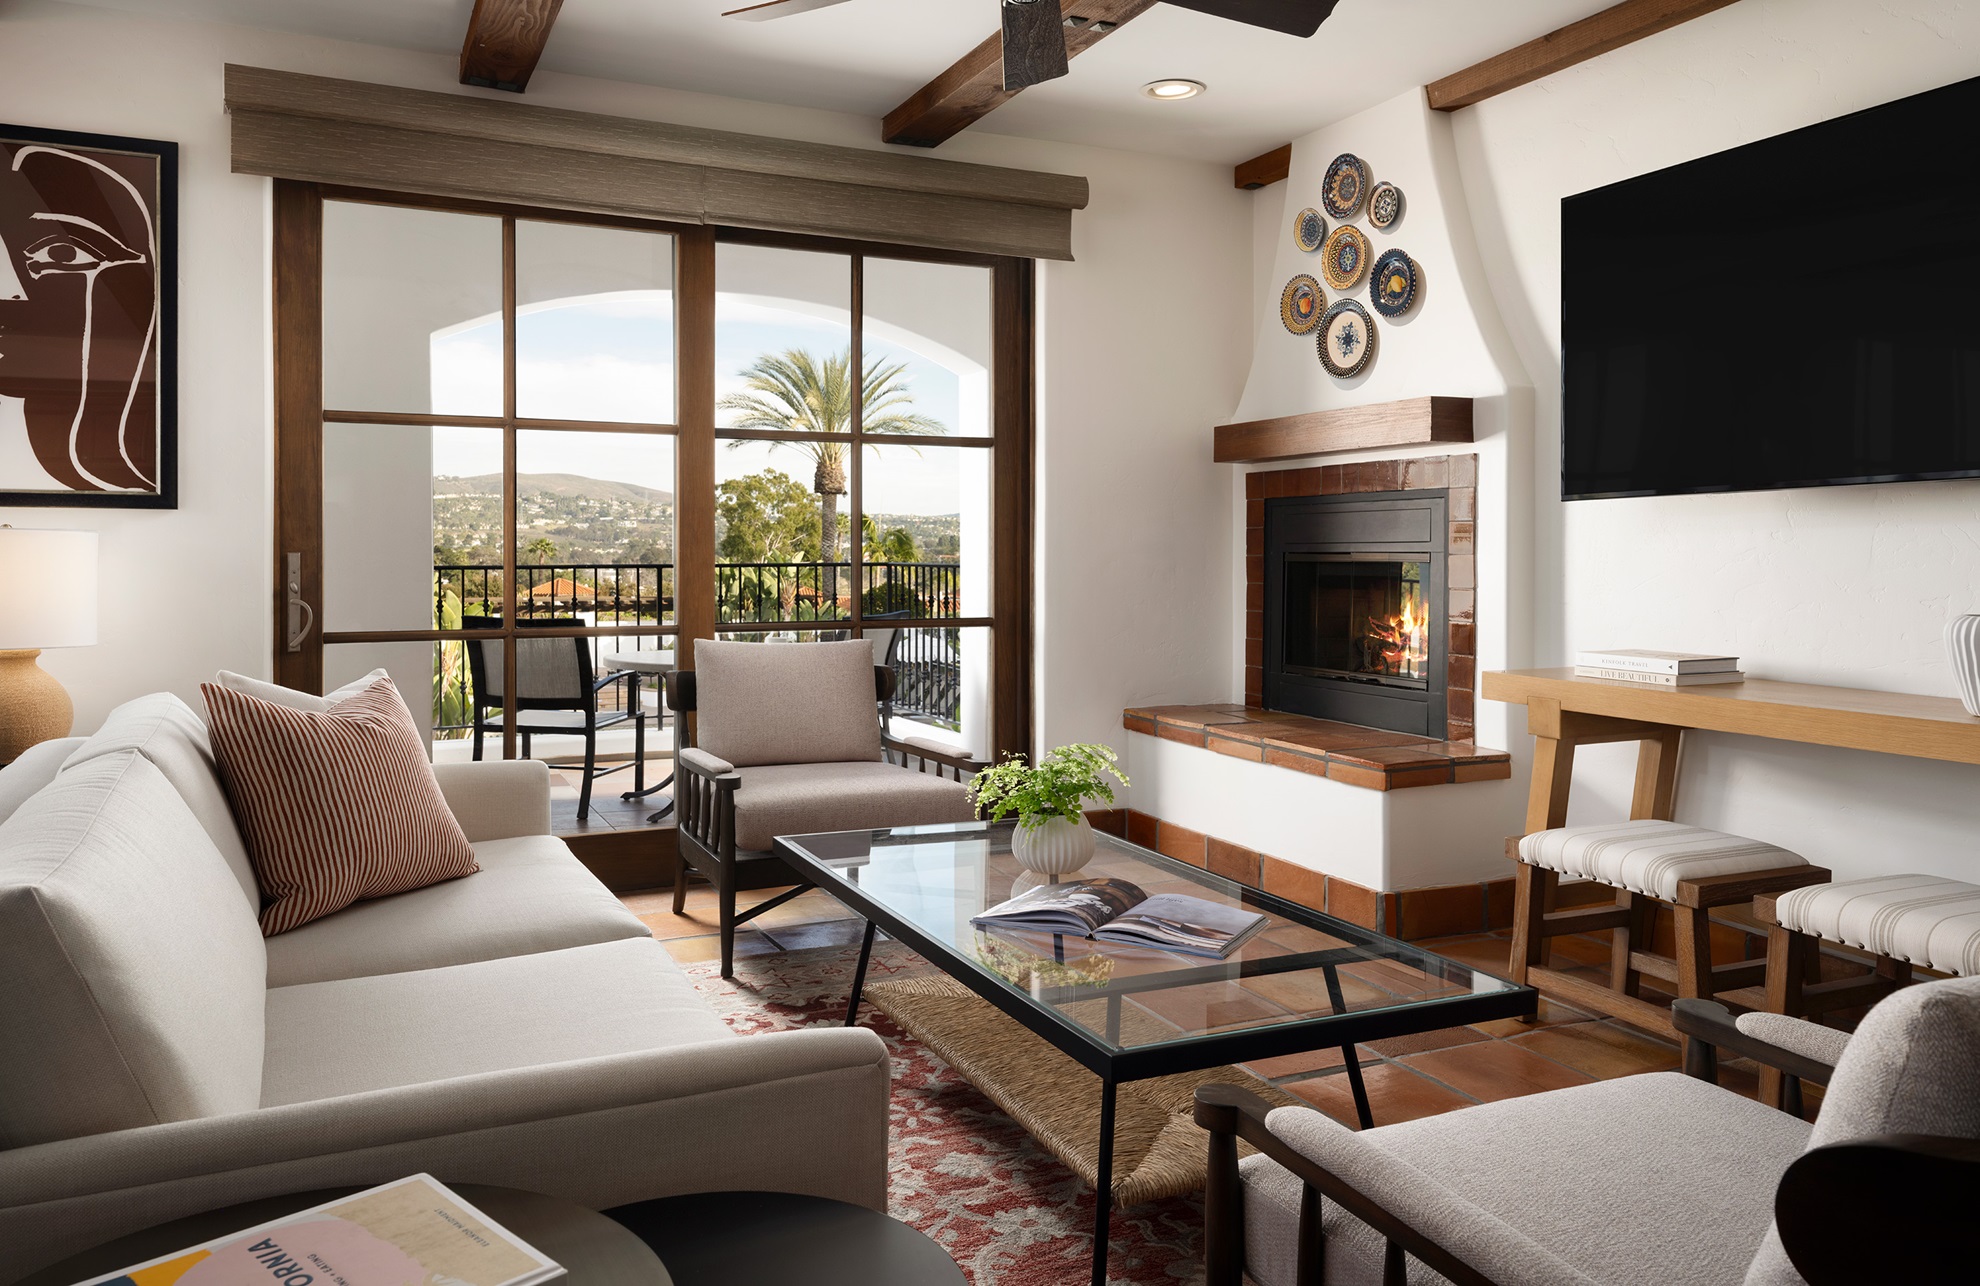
1659 1178
557 694
787 740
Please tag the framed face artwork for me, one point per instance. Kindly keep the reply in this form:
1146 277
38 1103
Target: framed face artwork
88 320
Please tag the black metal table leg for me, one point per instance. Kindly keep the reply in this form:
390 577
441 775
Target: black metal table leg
1339 1002
859 976
1103 1191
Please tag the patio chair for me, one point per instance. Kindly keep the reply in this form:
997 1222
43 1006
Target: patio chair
786 740
1659 1178
556 695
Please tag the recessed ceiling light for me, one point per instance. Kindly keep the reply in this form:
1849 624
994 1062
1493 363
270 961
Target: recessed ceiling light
1173 89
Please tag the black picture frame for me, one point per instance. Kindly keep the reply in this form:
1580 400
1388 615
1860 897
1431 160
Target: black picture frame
161 204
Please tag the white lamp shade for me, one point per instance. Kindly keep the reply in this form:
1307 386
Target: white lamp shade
47 588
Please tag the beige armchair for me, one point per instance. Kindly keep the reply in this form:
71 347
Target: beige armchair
1647 1179
787 741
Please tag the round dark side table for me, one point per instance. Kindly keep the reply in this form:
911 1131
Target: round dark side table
705 1239
781 1239
594 1250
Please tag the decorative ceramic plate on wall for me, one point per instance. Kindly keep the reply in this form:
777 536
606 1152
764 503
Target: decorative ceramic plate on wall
1385 205
1309 229
1347 339
1300 303
1345 257
1345 186
1392 283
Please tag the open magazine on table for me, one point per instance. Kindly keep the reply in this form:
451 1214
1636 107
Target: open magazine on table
410 1232
1111 910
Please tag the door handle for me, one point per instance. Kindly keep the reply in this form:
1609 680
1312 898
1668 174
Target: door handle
302 618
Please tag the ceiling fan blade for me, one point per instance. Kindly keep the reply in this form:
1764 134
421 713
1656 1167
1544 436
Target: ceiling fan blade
1034 42
778 9
1294 17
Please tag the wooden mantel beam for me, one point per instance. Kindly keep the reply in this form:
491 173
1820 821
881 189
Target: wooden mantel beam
504 40
1577 42
973 86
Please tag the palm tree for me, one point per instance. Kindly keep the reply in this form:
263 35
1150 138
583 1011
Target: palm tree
542 549
793 392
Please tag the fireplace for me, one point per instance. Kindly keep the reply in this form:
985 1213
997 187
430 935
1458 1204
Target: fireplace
1355 609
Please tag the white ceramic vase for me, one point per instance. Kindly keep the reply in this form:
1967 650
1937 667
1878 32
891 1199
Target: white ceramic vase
1055 847
1963 646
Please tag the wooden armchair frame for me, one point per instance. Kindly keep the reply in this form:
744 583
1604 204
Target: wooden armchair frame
1890 1208
705 808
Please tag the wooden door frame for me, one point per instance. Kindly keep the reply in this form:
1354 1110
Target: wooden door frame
297 279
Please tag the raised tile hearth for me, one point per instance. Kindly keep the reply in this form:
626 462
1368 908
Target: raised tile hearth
1371 758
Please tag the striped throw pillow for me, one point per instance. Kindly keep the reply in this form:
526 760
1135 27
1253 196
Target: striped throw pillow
336 806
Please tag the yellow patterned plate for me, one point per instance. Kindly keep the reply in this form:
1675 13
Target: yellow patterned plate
1344 258
1300 303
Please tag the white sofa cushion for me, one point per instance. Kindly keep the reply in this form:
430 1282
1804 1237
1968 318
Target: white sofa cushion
795 799
357 1034
132 978
35 768
530 895
786 703
166 731
1653 1178
295 698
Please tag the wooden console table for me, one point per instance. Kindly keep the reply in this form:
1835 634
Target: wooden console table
1564 710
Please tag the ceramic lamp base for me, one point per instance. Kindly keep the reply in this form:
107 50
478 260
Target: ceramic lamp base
34 707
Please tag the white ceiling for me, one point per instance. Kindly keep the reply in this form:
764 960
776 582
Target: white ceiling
865 56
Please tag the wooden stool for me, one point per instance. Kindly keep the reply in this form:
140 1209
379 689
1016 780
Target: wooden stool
1899 920
1649 862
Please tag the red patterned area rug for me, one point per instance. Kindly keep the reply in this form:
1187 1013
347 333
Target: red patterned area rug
1007 1210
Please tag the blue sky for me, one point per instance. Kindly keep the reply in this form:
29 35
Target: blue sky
611 358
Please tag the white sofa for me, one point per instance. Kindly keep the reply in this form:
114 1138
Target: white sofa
518 1027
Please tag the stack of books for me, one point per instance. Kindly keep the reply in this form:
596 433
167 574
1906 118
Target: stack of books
1657 669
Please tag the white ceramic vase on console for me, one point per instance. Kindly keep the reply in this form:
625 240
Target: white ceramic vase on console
1056 846
1963 646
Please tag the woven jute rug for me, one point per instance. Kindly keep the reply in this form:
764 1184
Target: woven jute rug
1159 1150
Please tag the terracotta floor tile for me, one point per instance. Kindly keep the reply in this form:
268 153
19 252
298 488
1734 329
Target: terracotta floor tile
809 908
709 947
1581 949
1552 1013
648 901
1208 1006
1481 951
1602 1049
1495 1069
1316 1060
1422 1042
1395 1093
691 924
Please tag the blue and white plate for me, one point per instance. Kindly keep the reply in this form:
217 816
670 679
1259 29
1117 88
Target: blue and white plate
1385 205
1309 229
1392 284
1345 186
1347 339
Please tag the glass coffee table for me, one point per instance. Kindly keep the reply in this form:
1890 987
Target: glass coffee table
1306 981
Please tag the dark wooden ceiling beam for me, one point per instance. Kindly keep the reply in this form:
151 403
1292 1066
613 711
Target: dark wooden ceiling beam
1264 170
973 86
504 40
1577 42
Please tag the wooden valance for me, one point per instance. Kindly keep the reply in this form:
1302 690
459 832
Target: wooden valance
315 129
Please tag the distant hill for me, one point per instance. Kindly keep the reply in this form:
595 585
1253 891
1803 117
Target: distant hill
553 486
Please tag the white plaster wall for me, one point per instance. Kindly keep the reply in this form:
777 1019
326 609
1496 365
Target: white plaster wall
1143 345
1395 839
1846 586
1450 344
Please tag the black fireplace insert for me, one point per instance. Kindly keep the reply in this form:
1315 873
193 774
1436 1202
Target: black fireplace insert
1355 602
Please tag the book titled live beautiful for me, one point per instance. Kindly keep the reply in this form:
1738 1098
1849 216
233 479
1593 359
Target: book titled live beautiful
1112 910
412 1232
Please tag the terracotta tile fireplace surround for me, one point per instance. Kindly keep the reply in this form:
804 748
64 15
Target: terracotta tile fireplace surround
1350 754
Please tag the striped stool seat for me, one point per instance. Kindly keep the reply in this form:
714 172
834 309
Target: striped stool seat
1650 857
1923 919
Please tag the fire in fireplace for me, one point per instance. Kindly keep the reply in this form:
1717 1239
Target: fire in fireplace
1355 608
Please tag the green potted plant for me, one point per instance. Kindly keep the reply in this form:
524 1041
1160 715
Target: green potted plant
1049 798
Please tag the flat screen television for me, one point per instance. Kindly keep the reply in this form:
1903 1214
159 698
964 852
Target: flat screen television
1802 311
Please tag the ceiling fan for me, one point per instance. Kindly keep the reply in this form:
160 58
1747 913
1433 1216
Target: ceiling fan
1034 30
